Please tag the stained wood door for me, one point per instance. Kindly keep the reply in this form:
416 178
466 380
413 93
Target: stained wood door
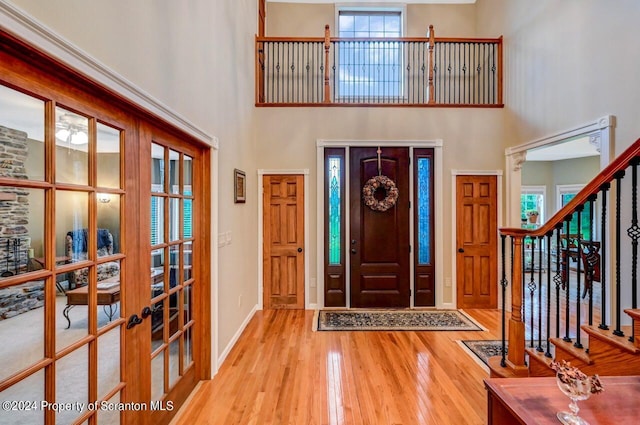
476 239
283 232
379 241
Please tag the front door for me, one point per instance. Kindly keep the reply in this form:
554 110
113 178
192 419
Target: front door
477 238
379 240
283 232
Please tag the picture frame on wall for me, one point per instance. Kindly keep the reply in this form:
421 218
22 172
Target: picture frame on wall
239 186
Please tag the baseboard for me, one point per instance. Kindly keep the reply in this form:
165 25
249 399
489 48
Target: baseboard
237 335
312 306
447 306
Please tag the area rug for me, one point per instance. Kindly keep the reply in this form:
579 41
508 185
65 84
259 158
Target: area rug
395 320
483 349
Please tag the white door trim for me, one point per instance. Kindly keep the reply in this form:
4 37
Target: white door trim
261 173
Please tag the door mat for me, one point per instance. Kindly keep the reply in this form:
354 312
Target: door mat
483 349
395 320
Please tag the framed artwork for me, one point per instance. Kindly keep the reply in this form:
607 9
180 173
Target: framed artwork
239 186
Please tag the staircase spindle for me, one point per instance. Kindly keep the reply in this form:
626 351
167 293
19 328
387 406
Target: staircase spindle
540 262
634 234
603 258
557 279
532 289
618 176
590 271
578 214
548 265
566 281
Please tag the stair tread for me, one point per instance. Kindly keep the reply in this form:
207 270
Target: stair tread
621 342
539 355
634 313
578 353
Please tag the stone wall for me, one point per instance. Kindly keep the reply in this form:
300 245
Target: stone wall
14 201
19 299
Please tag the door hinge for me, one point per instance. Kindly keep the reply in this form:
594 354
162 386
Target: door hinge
410 292
409 249
409 204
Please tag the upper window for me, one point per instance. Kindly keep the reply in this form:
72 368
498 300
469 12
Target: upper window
369 68
532 205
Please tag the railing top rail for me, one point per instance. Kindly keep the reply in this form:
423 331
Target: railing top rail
381 40
593 187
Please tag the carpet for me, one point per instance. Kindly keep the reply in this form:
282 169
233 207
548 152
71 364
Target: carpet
483 349
395 320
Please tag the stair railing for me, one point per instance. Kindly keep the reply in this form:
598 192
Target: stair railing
563 260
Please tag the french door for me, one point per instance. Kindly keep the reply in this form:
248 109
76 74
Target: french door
101 299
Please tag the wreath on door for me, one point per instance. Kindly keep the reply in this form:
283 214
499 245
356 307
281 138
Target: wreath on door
380 182
372 185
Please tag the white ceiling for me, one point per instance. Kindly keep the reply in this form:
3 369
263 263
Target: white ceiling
351 2
576 148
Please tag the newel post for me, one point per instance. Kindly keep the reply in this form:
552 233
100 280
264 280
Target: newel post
327 46
432 43
515 356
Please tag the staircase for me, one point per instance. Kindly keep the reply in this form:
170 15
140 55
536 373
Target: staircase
563 282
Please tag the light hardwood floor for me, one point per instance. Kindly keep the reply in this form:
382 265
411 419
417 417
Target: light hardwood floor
281 372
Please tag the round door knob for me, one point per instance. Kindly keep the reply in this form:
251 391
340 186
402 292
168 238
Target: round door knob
299 249
460 250
353 251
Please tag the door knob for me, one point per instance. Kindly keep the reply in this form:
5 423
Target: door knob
353 250
134 320
146 312
299 249
460 250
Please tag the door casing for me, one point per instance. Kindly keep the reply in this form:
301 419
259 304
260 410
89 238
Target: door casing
437 146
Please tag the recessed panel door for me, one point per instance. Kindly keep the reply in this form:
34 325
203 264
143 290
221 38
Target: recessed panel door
379 240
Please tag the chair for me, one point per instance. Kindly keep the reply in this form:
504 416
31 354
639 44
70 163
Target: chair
590 256
76 249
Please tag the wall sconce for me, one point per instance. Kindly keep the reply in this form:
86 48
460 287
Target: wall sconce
103 198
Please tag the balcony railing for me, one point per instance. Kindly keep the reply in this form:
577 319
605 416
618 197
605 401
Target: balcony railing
416 71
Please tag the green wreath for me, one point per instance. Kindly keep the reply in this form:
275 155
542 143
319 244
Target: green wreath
372 185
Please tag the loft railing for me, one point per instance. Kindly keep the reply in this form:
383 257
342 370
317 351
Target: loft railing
416 71
560 280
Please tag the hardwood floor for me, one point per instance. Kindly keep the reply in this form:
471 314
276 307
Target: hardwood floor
281 372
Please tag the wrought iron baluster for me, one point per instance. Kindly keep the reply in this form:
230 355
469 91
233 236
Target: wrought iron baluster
578 213
603 255
634 233
539 347
618 177
566 281
548 334
532 288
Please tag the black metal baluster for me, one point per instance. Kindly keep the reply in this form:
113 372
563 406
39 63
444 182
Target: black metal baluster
539 347
590 265
634 233
532 288
548 352
566 280
504 283
603 257
618 176
557 279
579 210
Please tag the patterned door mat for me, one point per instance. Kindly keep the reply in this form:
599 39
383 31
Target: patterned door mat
483 349
395 320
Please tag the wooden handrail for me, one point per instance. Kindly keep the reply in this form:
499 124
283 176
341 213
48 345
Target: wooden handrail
593 187
386 39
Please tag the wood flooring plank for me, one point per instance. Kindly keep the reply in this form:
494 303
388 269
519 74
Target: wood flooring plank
281 372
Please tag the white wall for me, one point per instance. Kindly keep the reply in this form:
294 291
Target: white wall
567 62
196 57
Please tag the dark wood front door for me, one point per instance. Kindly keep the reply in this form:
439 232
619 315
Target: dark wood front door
379 241
477 239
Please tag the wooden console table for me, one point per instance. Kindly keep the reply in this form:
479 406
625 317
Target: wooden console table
537 400
107 298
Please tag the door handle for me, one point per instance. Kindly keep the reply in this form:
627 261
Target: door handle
146 312
353 250
299 249
134 320
461 250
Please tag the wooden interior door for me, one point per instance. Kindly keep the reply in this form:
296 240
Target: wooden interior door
379 241
283 232
476 241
